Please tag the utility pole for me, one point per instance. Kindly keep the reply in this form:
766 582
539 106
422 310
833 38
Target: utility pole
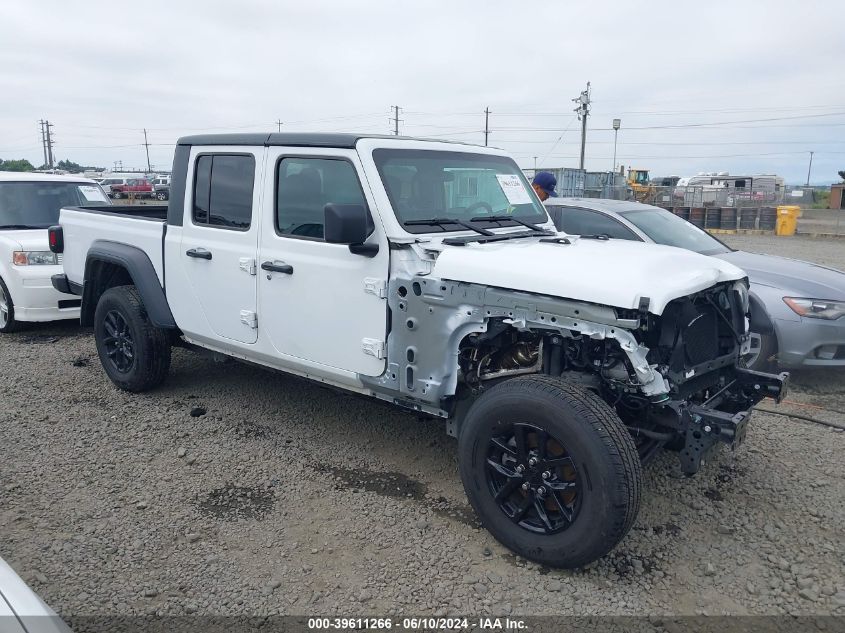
810 168
43 140
583 110
395 120
486 124
147 146
47 126
279 123
617 123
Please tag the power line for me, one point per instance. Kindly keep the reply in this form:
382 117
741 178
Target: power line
560 138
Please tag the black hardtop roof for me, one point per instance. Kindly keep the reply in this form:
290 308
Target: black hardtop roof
289 139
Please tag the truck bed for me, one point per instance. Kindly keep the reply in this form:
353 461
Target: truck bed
141 226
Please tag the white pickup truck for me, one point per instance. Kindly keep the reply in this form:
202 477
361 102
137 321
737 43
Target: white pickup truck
428 274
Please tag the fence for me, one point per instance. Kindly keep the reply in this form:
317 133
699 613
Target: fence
729 218
817 222
704 196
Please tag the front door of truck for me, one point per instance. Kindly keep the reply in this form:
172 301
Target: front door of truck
319 303
217 280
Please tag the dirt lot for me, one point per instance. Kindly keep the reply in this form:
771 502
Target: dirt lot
232 490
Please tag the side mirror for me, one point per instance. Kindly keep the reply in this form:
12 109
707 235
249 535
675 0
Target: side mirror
346 224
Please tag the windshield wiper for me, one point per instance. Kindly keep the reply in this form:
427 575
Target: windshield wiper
442 221
506 218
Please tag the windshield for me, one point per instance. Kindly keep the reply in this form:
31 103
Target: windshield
667 228
36 204
425 185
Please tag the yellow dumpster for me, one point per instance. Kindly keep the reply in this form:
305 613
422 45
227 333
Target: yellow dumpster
787 220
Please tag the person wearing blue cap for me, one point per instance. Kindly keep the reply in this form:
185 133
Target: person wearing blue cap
544 184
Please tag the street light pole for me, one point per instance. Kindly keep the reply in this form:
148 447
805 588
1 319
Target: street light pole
617 123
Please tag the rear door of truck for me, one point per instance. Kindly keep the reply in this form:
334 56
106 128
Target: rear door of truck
211 258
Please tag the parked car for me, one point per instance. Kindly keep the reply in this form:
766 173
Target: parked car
161 188
21 610
428 287
801 317
106 183
29 204
137 187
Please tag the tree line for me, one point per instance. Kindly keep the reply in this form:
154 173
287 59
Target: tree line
23 164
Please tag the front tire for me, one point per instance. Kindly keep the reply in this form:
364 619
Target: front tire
8 324
134 353
115 195
550 470
763 354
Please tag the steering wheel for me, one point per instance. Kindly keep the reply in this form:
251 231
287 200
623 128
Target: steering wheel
479 205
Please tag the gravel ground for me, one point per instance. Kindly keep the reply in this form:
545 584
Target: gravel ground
825 251
233 490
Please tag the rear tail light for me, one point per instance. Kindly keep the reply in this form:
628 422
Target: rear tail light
56 238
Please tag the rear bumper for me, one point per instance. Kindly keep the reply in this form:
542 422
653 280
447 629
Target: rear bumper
723 419
62 284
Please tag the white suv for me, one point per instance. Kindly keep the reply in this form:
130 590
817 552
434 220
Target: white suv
29 204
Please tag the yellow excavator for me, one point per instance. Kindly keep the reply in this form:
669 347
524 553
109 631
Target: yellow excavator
640 185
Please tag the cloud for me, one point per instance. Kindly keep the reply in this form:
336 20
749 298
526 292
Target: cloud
103 72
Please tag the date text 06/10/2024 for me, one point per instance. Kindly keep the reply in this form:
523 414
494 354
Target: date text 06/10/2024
417 624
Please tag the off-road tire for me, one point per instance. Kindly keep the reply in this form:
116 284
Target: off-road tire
151 354
600 446
11 325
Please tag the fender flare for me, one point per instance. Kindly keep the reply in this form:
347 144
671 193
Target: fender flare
760 320
140 269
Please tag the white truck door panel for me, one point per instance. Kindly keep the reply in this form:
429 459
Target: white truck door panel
315 299
219 240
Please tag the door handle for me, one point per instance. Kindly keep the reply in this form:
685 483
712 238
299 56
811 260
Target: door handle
273 267
199 253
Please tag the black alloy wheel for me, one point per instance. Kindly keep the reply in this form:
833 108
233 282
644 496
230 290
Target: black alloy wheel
118 342
533 479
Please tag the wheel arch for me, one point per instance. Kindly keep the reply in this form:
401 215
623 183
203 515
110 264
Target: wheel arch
111 264
760 320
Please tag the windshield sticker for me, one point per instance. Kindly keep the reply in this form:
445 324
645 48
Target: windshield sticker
92 193
514 190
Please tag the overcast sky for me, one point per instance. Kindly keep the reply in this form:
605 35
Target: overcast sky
766 77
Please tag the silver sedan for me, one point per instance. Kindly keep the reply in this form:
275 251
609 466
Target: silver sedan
21 610
802 320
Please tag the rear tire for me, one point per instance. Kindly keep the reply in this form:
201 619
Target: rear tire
589 470
134 353
8 324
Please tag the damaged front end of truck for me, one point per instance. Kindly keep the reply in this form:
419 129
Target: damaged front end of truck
675 380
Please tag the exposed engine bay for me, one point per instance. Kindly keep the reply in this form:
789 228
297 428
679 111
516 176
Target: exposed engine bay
695 345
